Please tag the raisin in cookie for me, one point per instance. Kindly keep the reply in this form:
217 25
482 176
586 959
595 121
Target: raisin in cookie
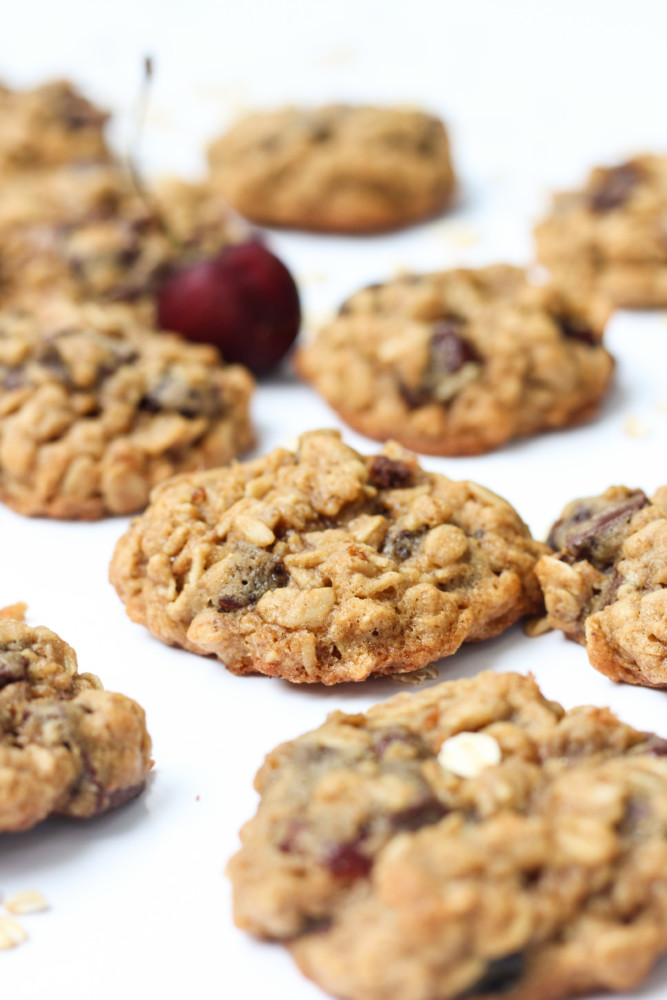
66 746
469 841
335 169
324 564
460 362
49 126
611 237
606 586
96 408
86 231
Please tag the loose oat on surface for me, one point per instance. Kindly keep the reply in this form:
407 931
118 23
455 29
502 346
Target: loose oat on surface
66 746
96 408
326 565
391 878
609 237
336 169
460 362
606 586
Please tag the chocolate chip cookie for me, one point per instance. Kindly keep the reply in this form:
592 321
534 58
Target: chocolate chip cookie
322 564
611 237
66 746
47 127
606 586
335 169
86 231
460 362
96 408
468 841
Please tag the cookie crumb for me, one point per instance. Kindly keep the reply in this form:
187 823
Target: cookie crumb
468 754
636 428
15 612
27 901
11 933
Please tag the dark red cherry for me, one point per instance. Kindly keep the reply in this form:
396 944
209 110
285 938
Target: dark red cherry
244 301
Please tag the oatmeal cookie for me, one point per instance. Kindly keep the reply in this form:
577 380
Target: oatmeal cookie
96 408
610 237
66 746
460 362
336 168
606 586
468 841
87 232
47 127
324 564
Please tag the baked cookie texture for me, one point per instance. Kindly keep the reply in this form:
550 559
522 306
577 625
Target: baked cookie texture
460 362
96 408
606 585
609 237
66 746
337 168
325 565
397 863
49 126
86 231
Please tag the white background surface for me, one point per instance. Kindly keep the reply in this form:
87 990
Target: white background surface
534 94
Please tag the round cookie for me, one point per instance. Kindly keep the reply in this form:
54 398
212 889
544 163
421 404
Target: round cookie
609 237
85 231
472 840
49 126
66 746
606 585
325 565
460 362
96 408
339 168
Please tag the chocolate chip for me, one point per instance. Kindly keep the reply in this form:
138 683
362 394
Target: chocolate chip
614 187
424 813
577 329
501 975
388 474
256 572
172 393
593 528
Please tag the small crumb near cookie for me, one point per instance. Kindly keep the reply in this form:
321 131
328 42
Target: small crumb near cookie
11 933
636 428
27 901
468 754
15 612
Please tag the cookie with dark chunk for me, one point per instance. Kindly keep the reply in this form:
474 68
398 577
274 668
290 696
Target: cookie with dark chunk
473 840
606 586
609 237
85 231
325 565
96 408
66 746
336 169
460 362
49 126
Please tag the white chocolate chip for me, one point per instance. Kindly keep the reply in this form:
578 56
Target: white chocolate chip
468 754
11 933
28 901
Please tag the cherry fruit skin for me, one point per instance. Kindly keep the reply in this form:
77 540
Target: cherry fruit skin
244 301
